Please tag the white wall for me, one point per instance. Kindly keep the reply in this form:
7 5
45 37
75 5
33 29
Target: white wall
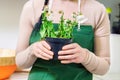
115 39
9 19
113 4
115 53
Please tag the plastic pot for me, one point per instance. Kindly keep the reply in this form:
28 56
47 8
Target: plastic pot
57 44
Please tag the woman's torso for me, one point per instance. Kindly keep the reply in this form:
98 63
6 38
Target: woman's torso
54 69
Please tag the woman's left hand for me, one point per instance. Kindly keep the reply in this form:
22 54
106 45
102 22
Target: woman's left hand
72 53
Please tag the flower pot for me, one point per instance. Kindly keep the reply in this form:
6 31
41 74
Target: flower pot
57 44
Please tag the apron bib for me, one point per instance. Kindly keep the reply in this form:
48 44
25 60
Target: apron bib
54 70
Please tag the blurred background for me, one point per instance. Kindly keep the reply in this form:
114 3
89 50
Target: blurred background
9 24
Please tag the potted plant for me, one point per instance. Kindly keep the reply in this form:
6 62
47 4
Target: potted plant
58 36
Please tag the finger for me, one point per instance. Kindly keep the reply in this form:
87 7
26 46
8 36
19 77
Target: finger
45 50
39 51
70 46
67 57
67 61
42 57
65 52
46 45
37 54
46 55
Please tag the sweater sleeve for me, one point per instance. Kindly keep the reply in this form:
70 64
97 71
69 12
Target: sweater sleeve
24 57
30 14
99 62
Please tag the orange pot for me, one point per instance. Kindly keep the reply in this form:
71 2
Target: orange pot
7 63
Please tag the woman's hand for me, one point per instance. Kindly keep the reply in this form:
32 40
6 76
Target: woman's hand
42 50
72 53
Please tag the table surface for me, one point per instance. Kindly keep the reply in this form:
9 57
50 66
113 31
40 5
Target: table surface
19 76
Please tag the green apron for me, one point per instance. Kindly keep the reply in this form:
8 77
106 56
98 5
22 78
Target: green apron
54 70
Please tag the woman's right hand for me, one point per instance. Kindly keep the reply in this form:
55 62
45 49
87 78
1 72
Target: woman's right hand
41 50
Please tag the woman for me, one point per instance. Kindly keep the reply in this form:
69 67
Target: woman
78 60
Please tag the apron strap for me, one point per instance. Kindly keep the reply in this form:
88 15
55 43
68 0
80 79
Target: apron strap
79 4
37 25
40 19
50 6
46 2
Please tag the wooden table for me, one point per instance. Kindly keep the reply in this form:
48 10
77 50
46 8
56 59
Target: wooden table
19 76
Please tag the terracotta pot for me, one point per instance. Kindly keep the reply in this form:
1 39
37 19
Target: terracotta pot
57 44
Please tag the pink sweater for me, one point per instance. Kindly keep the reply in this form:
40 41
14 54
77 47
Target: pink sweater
97 17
